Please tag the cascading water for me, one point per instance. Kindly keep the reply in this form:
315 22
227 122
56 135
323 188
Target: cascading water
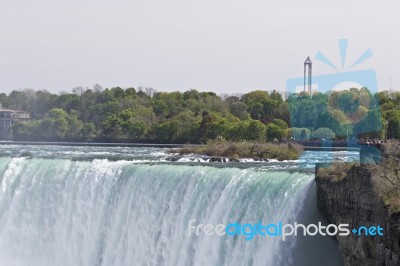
102 212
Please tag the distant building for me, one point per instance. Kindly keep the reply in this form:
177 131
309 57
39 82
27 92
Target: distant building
307 75
8 118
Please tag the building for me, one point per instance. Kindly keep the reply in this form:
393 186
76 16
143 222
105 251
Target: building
307 75
8 118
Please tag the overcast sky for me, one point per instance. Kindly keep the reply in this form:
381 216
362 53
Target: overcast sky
231 46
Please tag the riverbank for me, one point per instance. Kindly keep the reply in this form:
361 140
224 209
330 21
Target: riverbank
158 145
238 150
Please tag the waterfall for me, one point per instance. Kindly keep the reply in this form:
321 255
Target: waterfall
101 212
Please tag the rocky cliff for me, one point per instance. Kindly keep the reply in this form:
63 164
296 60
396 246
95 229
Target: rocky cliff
365 194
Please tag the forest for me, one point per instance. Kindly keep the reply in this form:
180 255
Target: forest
145 115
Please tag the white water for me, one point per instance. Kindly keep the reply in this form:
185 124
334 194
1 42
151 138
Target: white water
100 212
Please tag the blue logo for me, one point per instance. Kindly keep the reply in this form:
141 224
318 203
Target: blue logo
337 108
279 229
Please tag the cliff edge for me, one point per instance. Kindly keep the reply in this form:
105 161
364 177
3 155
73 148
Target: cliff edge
365 194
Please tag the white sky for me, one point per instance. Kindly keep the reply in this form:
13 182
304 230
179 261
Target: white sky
231 46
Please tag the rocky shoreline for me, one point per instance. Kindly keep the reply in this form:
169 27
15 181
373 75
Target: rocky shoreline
365 194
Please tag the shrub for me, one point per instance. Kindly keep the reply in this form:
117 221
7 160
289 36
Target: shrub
275 132
280 123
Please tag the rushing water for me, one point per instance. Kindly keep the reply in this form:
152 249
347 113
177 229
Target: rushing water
132 206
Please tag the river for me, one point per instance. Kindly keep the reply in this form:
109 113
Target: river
72 205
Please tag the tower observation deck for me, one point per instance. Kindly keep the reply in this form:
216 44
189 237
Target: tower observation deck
307 75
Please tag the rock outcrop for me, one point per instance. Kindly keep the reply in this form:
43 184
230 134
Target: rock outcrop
366 194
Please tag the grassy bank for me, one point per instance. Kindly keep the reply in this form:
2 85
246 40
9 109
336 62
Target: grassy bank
236 150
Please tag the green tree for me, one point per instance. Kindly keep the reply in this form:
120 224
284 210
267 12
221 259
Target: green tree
239 109
112 126
205 125
393 124
218 128
58 113
275 132
324 133
74 126
59 128
27 130
255 101
238 130
280 123
343 130
137 129
88 131
256 131
187 126
166 132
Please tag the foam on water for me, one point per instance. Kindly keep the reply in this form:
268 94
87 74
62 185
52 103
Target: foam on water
136 211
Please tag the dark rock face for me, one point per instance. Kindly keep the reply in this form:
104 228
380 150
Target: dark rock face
371 153
349 194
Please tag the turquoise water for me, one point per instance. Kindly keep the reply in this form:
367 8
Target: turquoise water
132 206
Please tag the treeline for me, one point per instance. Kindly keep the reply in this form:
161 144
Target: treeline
353 113
144 115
